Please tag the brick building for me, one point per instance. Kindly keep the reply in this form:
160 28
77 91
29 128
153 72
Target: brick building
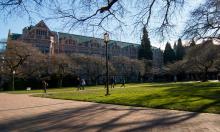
39 35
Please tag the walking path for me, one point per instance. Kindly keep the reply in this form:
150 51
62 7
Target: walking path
19 112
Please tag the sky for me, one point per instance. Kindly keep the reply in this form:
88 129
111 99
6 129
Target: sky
16 24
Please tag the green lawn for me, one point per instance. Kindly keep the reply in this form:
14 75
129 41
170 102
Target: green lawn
189 96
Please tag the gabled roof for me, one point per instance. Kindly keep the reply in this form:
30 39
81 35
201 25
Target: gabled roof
79 38
42 24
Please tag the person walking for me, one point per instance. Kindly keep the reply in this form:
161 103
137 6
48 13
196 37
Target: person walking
112 82
45 84
78 83
115 81
83 83
123 83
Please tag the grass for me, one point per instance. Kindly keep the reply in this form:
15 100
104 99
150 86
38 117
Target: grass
188 96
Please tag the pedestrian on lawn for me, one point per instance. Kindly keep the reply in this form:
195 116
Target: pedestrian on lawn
123 83
45 85
83 83
78 83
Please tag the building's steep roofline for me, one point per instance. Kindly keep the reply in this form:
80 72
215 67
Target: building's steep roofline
43 23
83 39
88 38
80 38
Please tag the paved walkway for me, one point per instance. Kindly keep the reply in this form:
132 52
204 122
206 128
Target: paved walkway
25 113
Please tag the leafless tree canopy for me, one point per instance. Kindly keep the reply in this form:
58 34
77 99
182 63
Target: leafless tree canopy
205 21
93 15
22 58
176 67
100 14
19 7
203 56
125 66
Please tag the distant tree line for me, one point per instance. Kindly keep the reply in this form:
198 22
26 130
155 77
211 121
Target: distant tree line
173 54
191 62
29 66
197 63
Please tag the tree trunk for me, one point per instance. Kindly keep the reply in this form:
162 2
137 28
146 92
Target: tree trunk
12 88
60 82
205 75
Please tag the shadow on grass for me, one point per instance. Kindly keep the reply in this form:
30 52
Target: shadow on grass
190 84
208 95
96 117
187 94
196 97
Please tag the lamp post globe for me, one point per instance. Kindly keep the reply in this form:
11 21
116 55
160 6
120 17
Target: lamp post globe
106 38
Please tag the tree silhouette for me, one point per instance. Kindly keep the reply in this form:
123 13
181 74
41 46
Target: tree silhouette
145 51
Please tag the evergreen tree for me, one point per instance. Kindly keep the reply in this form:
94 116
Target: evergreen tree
145 51
169 54
180 51
174 47
192 43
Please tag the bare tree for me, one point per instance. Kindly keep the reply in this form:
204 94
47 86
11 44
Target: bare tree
35 65
125 66
100 14
62 65
204 21
91 67
176 68
16 58
202 57
30 8
103 14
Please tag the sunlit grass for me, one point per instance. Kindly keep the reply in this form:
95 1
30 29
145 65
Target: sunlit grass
193 96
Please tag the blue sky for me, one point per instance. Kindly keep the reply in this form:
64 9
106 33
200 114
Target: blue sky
16 24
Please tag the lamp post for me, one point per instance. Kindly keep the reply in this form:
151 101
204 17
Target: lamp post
106 40
13 80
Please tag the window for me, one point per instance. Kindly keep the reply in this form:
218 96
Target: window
41 32
74 42
70 41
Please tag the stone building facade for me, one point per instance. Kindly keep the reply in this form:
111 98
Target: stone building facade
40 36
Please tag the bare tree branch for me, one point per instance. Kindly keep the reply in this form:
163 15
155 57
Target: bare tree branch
204 21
